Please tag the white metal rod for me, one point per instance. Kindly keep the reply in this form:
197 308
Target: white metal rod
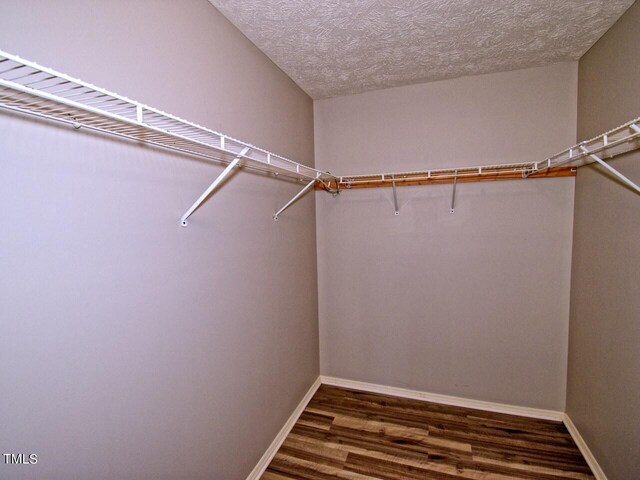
611 169
212 187
395 195
453 194
298 195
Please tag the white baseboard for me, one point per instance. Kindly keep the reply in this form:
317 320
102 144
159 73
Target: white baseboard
445 399
584 449
263 463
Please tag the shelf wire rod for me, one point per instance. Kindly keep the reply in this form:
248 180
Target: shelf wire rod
212 187
80 97
84 91
58 92
107 102
46 87
128 109
610 169
122 110
16 67
15 79
93 95
97 101
42 104
46 79
21 78
85 97
59 83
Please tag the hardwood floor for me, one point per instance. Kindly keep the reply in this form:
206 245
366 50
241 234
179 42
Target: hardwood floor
352 435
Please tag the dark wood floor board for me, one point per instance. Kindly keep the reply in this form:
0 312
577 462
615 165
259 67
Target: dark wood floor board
276 476
304 470
385 401
487 439
352 435
560 436
465 466
575 461
316 419
460 431
400 453
408 419
372 404
390 470
532 471
375 404
359 442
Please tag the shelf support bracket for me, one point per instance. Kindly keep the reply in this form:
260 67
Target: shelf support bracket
453 194
295 198
610 168
212 187
395 195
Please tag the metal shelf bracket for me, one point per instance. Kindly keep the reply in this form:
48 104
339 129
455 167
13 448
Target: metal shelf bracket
453 194
213 186
610 168
395 195
308 187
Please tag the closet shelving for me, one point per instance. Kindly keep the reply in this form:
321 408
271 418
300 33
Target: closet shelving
614 142
30 88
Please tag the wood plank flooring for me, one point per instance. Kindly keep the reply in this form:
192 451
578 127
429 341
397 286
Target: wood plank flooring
352 435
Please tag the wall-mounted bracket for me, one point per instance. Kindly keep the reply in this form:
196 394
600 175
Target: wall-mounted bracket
453 194
395 195
610 168
308 187
213 186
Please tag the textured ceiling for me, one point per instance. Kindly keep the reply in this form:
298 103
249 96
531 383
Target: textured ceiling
338 47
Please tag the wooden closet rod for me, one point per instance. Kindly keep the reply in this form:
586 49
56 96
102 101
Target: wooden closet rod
462 177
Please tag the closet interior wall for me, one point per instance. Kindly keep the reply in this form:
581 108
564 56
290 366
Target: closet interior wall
131 347
474 304
603 393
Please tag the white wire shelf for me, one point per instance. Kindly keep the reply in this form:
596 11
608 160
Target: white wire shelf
36 90
620 140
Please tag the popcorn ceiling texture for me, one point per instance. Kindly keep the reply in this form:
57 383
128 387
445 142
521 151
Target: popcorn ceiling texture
339 47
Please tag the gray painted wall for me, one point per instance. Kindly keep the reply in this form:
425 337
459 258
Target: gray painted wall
603 393
474 304
131 347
